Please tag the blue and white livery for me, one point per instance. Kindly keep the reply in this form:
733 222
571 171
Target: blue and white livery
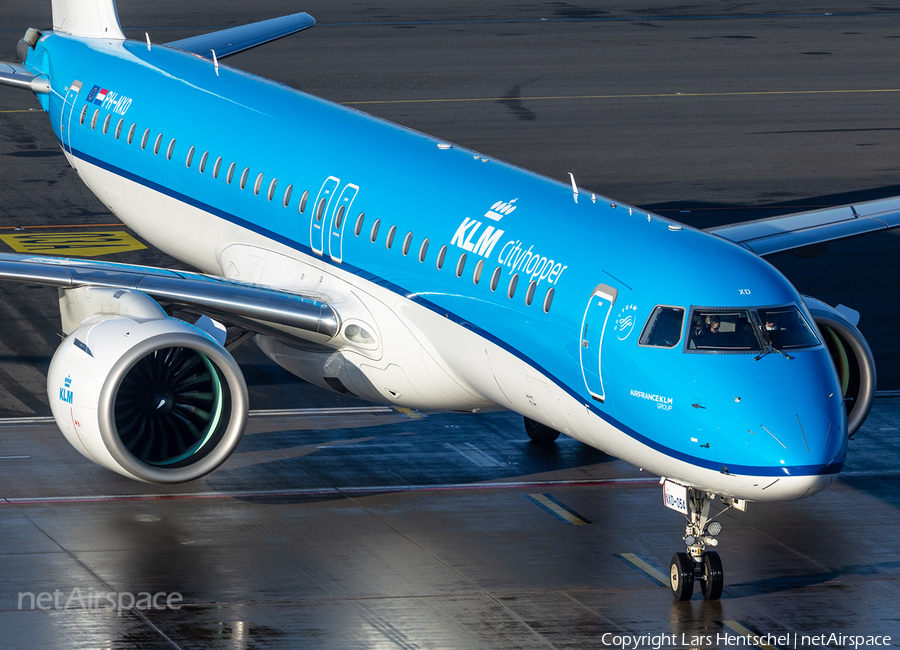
381 262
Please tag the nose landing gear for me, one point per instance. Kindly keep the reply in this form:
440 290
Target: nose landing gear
698 564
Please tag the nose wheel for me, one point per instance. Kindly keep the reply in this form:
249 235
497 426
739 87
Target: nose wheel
684 572
681 576
698 565
711 579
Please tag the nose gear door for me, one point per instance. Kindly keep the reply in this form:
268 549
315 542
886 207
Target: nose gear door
593 326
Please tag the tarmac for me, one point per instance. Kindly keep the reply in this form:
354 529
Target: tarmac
365 528
339 524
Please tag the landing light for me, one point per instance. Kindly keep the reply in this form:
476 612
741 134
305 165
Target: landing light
357 334
714 528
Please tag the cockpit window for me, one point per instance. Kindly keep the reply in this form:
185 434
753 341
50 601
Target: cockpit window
723 330
786 328
663 328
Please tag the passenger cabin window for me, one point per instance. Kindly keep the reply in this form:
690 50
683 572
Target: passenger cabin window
287 196
663 328
529 295
83 113
548 299
440 258
723 331
119 127
217 166
190 157
230 175
460 265
495 279
407 242
94 119
244 175
374 234
390 237
144 139
202 166
303 199
106 123
512 285
786 328
359 223
170 150
157 144
131 133
423 250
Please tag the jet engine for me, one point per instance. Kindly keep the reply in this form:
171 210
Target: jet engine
155 400
852 359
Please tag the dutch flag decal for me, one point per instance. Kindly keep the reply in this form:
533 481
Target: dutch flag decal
101 96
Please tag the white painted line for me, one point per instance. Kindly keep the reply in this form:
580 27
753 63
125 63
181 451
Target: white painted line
475 455
330 491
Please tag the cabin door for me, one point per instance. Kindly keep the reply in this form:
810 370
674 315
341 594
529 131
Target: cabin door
593 327
65 120
339 217
320 210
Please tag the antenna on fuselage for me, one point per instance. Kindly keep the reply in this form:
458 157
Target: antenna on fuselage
215 62
148 40
574 187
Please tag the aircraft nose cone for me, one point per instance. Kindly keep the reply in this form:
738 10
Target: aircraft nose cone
800 445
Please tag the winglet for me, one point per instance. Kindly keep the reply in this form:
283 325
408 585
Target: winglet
88 18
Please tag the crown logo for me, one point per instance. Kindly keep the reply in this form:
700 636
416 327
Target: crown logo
500 209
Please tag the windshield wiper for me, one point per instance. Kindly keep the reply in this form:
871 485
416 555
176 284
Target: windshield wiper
770 348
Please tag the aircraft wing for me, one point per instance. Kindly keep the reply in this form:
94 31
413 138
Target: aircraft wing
236 39
810 229
204 293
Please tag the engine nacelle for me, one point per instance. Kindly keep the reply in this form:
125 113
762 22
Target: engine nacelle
852 359
157 401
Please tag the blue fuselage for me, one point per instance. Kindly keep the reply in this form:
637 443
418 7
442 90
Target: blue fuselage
588 272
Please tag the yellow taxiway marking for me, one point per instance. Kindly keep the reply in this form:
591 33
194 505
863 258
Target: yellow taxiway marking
408 413
747 93
24 110
555 509
647 568
740 630
68 225
85 244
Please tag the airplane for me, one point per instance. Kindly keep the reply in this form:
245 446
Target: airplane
378 261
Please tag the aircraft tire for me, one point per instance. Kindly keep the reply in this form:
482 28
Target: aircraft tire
713 578
540 434
681 576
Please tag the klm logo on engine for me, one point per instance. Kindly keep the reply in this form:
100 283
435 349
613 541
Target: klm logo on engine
65 392
470 236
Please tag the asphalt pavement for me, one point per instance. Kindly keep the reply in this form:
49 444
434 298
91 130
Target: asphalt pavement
454 531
